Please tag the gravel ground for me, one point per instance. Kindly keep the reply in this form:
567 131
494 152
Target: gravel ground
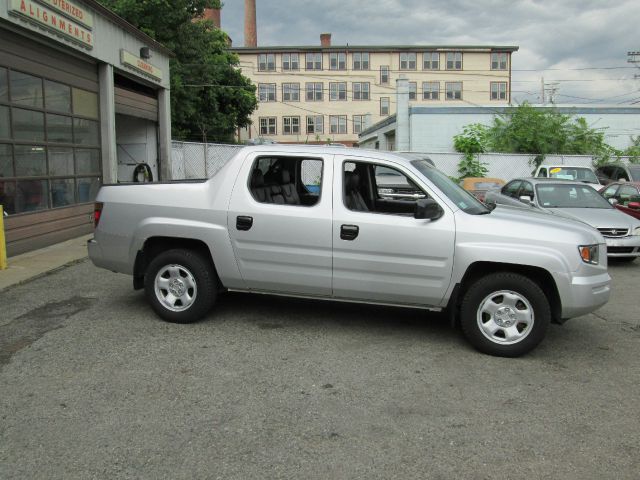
93 385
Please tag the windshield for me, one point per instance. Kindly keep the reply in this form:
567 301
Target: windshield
581 174
634 170
570 196
463 199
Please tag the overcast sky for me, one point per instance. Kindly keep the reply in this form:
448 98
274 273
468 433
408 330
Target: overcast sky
562 36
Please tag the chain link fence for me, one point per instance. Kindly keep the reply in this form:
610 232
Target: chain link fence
202 160
191 160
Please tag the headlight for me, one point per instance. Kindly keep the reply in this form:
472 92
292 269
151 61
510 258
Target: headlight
589 253
636 231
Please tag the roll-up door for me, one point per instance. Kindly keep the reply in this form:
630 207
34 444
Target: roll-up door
135 104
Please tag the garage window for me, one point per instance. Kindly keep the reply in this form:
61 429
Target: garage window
49 143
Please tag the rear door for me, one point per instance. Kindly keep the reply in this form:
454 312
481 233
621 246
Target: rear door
279 247
380 252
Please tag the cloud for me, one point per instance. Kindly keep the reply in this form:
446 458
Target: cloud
559 36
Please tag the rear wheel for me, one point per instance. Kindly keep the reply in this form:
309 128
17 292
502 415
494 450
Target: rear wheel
181 285
505 314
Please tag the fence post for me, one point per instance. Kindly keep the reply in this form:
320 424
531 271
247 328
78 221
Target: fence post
3 244
206 160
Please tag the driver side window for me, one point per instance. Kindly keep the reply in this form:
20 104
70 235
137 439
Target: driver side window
382 189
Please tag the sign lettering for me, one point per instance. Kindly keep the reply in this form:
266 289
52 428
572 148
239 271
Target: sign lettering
52 21
71 10
130 60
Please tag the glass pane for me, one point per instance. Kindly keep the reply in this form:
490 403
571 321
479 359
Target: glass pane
60 161
85 103
31 195
8 197
85 131
88 189
27 125
4 122
26 89
30 161
88 161
4 84
57 96
59 129
6 161
62 192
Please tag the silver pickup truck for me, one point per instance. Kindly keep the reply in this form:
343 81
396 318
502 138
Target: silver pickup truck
310 222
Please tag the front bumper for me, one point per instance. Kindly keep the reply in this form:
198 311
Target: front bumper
584 294
628 246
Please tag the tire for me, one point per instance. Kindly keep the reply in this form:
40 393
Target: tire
504 314
181 285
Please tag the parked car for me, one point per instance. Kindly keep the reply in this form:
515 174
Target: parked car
624 196
578 173
615 172
575 201
504 274
478 186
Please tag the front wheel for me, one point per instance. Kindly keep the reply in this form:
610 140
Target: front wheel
180 285
505 314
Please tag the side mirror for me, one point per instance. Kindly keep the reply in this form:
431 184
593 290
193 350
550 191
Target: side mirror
427 209
613 201
526 199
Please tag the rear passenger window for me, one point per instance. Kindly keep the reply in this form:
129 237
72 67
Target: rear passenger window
286 181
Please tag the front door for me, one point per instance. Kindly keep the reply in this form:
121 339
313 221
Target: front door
380 251
279 221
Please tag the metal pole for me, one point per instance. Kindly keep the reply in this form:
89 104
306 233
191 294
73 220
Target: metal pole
3 244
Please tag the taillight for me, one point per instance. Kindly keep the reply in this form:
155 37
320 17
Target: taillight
97 213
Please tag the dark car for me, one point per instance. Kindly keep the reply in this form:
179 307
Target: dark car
625 196
616 172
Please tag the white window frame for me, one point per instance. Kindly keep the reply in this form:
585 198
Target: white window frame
288 61
498 91
384 72
358 123
314 59
454 61
409 59
499 60
361 91
340 124
385 104
315 124
290 92
317 93
269 124
337 91
269 62
361 60
291 125
431 60
453 93
267 92
429 92
413 90
337 61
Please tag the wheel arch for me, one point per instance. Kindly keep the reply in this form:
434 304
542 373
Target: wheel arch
155 245
539 275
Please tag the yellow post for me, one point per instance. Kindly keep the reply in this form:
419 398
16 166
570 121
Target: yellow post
3 244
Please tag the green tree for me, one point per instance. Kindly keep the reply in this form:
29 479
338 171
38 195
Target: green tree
633 151
526 129
210 97
472 142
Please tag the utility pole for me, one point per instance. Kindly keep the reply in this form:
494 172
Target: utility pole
634 57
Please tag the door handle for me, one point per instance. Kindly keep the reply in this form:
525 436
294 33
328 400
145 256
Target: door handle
349 232
244 222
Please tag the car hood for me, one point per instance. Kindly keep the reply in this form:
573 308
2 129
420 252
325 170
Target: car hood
539 224
597 217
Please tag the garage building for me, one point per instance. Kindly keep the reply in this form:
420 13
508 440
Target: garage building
84 100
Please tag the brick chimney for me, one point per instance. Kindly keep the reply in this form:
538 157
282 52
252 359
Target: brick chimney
212 14
325 39
250 29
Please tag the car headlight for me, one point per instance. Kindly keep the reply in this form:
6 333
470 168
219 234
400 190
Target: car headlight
636 231
589 253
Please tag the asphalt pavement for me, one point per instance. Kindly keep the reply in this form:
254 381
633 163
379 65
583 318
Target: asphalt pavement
94 385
